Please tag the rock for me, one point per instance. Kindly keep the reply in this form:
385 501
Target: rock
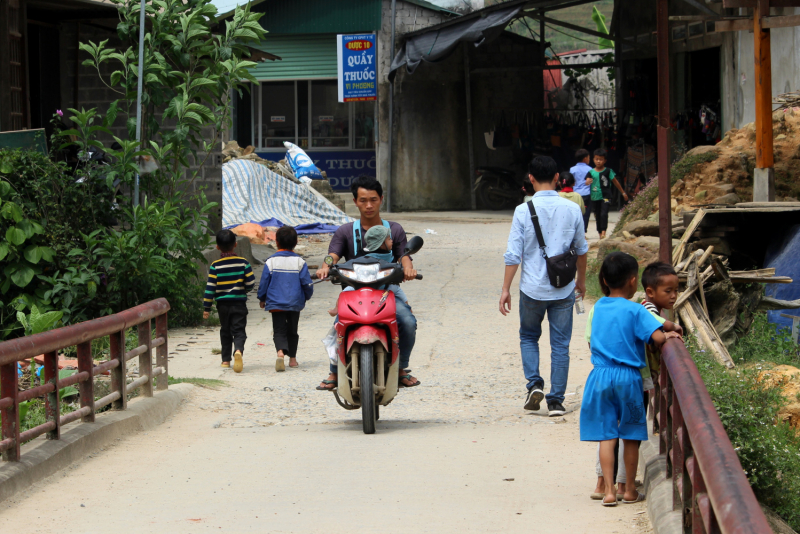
610 245
780 136
700 195
652 244
673 204
722 189
653 217
627 234
243 249
639 228
750 126
730 198
703 149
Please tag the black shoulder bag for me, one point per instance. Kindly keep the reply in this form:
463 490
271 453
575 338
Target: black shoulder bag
561 269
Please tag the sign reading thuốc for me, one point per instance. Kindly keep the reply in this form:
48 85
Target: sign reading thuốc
357 58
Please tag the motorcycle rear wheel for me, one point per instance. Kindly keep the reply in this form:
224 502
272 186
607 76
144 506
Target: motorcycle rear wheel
367 383
488 197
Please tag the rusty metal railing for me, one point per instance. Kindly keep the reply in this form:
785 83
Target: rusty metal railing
82 335
708 482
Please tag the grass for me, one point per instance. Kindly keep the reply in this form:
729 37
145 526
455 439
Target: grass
216 351
642 205
208 383
768 449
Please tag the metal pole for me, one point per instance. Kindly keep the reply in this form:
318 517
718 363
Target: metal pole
764 173
664 200
139 96
470 148
391 120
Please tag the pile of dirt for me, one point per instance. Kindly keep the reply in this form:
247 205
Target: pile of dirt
728 179
787 378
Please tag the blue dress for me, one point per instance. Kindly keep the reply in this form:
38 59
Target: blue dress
613 405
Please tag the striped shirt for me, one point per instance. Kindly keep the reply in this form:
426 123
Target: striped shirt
229 279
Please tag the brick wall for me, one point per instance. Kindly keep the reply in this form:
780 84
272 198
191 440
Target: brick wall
93 93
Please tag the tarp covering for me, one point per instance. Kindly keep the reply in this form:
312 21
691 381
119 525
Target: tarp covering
253 193
436 44
784 255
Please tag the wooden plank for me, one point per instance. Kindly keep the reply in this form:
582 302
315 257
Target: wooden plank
719 270
86 388
9 384
146 358
752 3
761 279
162 359
119 373
677 255
690 291
705 256
763 87
52 403
707 335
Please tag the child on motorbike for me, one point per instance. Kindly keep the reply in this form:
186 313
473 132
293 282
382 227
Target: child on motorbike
284 289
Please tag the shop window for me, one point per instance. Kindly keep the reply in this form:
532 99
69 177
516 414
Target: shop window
309 114
278 117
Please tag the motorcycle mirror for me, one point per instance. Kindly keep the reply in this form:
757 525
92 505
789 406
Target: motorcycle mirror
413 246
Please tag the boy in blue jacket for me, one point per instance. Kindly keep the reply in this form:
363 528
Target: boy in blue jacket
285 287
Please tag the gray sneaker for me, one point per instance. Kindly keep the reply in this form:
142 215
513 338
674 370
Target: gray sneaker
534 398
555 409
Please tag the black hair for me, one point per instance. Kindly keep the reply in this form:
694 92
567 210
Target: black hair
617 269
581 154
601 152
651 276
286 238
567 180
226 240
543 168
527 186
366 182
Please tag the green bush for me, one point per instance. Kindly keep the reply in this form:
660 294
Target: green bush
768 449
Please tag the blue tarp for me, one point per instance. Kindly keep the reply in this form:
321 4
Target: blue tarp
253 193
784 255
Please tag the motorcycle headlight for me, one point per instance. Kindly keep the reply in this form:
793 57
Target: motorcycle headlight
366 273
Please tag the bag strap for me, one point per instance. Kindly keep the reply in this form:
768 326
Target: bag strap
537 228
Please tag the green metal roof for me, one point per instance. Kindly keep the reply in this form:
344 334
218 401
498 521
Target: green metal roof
302 56
319 16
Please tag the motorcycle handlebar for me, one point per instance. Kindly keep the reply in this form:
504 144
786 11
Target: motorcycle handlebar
418 277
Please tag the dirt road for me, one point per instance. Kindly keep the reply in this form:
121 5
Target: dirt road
268 453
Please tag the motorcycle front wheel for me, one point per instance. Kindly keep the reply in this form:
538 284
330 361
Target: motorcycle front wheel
487 195
367 382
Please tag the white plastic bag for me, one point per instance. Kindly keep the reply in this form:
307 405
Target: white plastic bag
330 345
300 162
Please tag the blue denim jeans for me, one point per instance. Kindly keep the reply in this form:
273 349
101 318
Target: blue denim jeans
406 329
559 316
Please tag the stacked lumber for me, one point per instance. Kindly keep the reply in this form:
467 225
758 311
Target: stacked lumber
693 275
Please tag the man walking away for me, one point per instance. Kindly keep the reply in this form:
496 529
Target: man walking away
562 227
580 171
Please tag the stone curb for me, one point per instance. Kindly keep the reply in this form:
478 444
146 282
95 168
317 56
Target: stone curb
41 457
658 489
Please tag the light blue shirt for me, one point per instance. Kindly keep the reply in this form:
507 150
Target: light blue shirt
562 227
580 171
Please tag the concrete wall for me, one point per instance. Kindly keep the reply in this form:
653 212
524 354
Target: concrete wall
92 93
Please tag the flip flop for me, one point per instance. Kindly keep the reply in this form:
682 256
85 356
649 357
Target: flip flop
320 388
639 498
407 377
597 496
613 503
279 365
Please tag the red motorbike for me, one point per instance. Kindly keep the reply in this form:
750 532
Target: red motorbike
367 342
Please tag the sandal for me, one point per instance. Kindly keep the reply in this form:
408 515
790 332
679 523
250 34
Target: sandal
639 498
407 376
328 382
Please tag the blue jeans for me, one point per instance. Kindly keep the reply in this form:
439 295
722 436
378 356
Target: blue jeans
559 316
406 330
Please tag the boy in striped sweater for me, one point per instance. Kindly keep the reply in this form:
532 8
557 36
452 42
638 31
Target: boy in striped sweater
229 280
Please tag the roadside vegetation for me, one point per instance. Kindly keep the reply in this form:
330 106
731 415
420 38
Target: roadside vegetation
74 240
748 404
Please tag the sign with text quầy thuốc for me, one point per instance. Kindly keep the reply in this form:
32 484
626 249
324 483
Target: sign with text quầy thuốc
341 166
357 64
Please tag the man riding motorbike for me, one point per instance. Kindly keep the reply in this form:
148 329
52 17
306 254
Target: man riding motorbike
348 243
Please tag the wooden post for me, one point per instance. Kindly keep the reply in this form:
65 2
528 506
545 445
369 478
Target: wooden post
146 358
470 148
86 388
10 415
119 373
664 196
52 404
764 174
162 361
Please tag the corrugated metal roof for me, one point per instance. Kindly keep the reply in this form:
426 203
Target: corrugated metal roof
302 56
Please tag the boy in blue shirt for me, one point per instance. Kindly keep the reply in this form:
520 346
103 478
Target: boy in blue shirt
284 289
613 406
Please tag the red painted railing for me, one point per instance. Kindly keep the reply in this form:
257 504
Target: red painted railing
82 335
709 484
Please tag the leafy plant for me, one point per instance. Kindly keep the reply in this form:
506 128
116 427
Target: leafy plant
37 322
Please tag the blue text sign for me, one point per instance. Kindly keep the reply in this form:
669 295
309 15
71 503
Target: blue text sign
357 55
